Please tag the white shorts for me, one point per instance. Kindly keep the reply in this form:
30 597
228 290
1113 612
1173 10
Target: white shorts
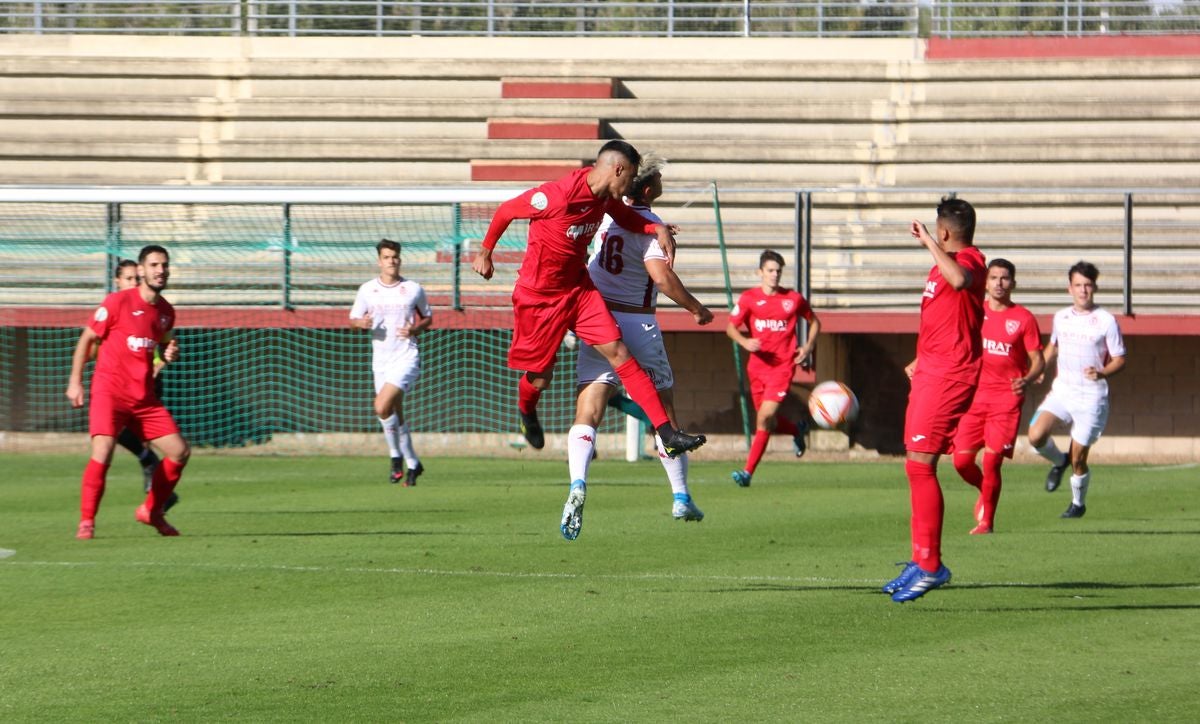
397 373
1086 416
641 335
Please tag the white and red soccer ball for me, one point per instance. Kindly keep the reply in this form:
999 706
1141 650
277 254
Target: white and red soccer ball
832 405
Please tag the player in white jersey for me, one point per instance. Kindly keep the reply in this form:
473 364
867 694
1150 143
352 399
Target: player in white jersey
395 310
1089 348
629 269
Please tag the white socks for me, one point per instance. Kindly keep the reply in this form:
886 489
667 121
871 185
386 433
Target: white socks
399 440
1079 486
677 468
581 443
1051 452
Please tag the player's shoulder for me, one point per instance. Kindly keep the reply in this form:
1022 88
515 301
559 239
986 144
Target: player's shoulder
1022 313
648 214
1106 317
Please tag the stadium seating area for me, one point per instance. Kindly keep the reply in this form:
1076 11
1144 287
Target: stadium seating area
760 122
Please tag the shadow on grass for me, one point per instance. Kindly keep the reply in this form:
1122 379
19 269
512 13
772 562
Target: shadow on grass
1123 532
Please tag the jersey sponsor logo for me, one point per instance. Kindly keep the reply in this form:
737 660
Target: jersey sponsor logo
930 290
539 201
101 314
770 325
139 344
992 346
578 231
1011 326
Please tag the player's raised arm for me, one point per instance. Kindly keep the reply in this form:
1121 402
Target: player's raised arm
79 358
528 205
955 274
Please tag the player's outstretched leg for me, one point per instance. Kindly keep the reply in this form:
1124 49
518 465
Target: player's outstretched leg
572 517
678 442
531 429
921 583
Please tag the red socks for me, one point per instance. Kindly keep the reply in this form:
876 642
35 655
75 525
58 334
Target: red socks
964 463
94 476
990 492
927 511
527 396
166 476
758 446
641 389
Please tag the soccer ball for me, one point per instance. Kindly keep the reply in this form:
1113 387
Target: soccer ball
832 405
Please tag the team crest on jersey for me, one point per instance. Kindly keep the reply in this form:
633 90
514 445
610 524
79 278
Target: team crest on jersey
1011 326
539 201
101 314
787 305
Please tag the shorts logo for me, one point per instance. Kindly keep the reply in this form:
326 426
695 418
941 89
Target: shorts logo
101 314
917 438
1011 326
539 201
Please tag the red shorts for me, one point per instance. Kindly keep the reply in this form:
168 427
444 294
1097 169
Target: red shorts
992 422
148 419
935 406
541 321
769 384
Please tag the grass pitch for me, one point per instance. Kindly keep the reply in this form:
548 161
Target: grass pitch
308 589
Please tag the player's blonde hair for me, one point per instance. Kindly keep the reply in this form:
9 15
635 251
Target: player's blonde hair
651 164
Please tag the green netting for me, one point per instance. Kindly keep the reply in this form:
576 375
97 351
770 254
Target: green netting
245 375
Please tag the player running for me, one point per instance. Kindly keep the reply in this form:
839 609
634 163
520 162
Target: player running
137 321
1087 342
629 268
769 313
1012 359
944 375
395 311
554 293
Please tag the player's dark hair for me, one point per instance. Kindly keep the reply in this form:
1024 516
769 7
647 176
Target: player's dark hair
151 249
1085 268
625 148
958 216
387 244
123 264
1004 264
769 255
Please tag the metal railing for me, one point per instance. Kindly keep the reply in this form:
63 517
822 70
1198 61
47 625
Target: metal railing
655 18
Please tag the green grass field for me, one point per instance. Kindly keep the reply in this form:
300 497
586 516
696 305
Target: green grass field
307 589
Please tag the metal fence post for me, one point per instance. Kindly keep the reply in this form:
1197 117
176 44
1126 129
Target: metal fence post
746 18
291 18
37 18
491 18
112 243
456 297
285 282
803 254
1129 254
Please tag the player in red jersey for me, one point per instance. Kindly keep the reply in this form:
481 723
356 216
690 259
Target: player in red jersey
1012 359
769 313
944 375
135 323
554 293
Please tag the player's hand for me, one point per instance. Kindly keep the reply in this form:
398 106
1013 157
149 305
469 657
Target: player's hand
75 393
752 345
703 316
1091 373
482 263
366 321
802 358
910 369
921 234
171 351
1018 385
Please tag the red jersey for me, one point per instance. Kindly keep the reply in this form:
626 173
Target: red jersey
1008 337
130 331
948 343
564 215
771 319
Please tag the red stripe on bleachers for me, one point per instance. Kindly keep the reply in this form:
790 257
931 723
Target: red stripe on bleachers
521 170
1102 46
532 128
552 88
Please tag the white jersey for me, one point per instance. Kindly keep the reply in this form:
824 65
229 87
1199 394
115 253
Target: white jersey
1084 339
391 308
618 268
